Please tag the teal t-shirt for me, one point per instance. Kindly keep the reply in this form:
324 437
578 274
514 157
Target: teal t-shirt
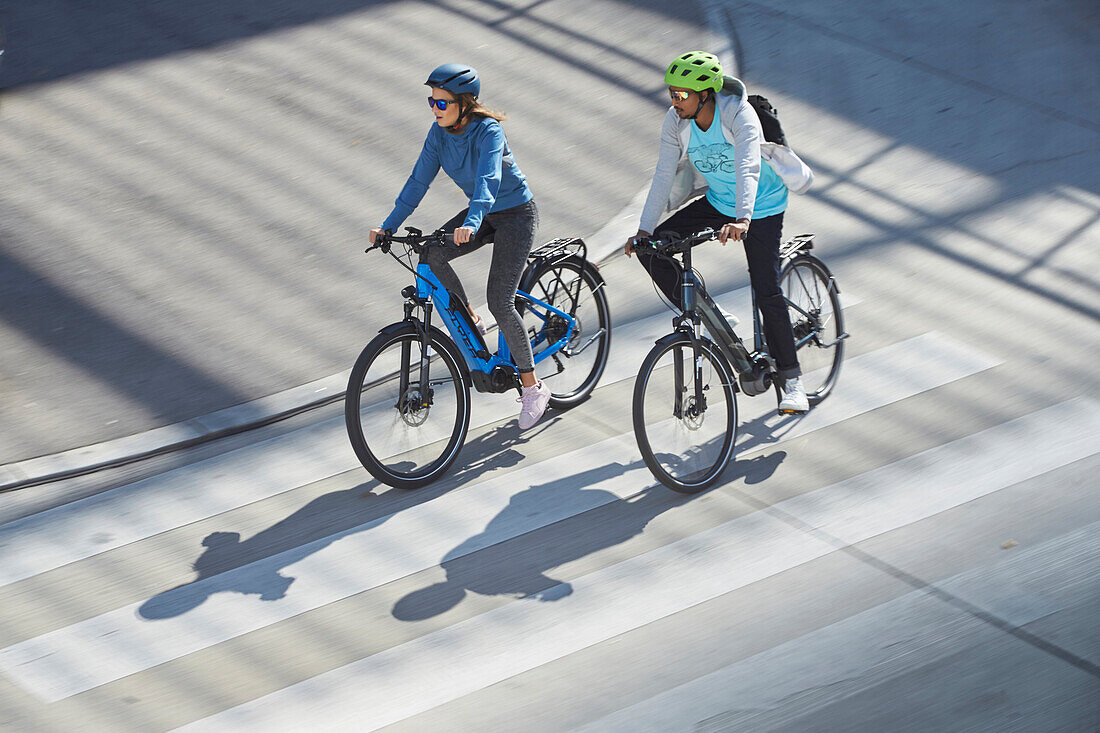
713 156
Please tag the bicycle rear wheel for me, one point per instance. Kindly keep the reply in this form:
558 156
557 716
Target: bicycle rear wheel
405 437
685 442
572 286
818 324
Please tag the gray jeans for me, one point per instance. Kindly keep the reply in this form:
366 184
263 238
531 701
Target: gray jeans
512 233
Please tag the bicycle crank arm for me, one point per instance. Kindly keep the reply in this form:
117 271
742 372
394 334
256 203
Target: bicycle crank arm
835 341
585 345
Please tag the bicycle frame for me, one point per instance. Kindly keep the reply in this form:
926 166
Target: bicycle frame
740 357
752 367
429 291
701 310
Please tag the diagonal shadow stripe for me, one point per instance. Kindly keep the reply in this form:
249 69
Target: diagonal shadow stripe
94 342
51 40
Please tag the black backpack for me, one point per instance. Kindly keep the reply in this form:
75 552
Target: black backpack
769 119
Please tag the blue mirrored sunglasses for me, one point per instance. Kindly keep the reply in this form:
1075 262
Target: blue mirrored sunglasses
441 103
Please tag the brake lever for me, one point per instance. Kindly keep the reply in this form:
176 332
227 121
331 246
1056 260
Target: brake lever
382 244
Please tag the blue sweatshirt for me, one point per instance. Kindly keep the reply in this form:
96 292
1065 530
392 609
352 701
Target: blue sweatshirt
478 160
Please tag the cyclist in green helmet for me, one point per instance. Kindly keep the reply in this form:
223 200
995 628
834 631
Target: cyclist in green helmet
710 143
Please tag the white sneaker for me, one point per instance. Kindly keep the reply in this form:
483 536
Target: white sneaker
730 318
794 401
534 400
480 326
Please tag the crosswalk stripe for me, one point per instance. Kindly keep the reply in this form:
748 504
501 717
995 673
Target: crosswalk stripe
444 665
129 513
883 641
84 655
869 381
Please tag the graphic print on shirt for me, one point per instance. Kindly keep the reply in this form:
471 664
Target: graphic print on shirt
715 157
712 158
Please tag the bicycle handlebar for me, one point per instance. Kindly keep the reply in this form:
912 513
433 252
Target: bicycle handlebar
673 243
416 240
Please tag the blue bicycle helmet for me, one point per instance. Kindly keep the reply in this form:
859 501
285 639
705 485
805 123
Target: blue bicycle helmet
456 79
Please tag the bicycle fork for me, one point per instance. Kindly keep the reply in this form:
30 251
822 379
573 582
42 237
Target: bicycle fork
424 387
699 405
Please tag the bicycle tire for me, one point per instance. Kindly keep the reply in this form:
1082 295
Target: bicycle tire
574 286
656 422
395 418
806 281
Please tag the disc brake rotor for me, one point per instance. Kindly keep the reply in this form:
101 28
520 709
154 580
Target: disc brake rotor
693 419
413 412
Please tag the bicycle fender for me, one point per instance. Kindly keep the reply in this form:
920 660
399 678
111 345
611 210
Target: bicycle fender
817 261
595 272
680 336
531 273
395 327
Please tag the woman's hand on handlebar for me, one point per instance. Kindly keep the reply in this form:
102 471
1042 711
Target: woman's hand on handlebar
375 234
463 235
629 248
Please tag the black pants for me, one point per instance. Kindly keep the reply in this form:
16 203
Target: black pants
762 252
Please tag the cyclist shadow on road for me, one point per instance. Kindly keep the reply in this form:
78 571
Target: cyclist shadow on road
764 430
503 560
255 566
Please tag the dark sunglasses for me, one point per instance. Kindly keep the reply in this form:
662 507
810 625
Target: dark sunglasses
440 103
678 96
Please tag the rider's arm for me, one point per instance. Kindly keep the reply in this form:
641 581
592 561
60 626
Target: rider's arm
423 173
487 183
747 135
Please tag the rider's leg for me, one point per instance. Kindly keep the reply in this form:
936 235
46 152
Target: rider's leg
515 235
697 215
762 252
439 258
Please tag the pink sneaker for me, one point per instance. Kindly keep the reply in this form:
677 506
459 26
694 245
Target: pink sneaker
534 400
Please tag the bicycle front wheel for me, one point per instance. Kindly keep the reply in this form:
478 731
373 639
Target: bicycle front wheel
818 323
406 415
574 287
685 413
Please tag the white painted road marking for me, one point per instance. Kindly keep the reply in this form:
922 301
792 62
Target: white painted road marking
880 643
447 664
212 610
215 609
88 527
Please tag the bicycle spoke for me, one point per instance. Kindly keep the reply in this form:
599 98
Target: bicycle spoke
572 372
818 325
403 436
685 416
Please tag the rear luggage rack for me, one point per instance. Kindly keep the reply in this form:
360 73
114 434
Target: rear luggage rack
559 249
793 245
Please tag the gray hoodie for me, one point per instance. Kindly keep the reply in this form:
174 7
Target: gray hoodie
676 180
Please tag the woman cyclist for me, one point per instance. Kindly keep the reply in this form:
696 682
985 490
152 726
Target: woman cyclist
467 141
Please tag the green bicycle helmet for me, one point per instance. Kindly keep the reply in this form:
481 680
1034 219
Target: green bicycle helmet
695 70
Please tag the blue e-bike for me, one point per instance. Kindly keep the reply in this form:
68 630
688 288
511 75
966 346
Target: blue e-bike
407 406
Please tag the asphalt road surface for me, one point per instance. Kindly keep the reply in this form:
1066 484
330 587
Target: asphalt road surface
920 552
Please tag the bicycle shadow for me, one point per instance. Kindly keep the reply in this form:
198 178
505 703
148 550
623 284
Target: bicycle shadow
501 562
255 566
765 430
